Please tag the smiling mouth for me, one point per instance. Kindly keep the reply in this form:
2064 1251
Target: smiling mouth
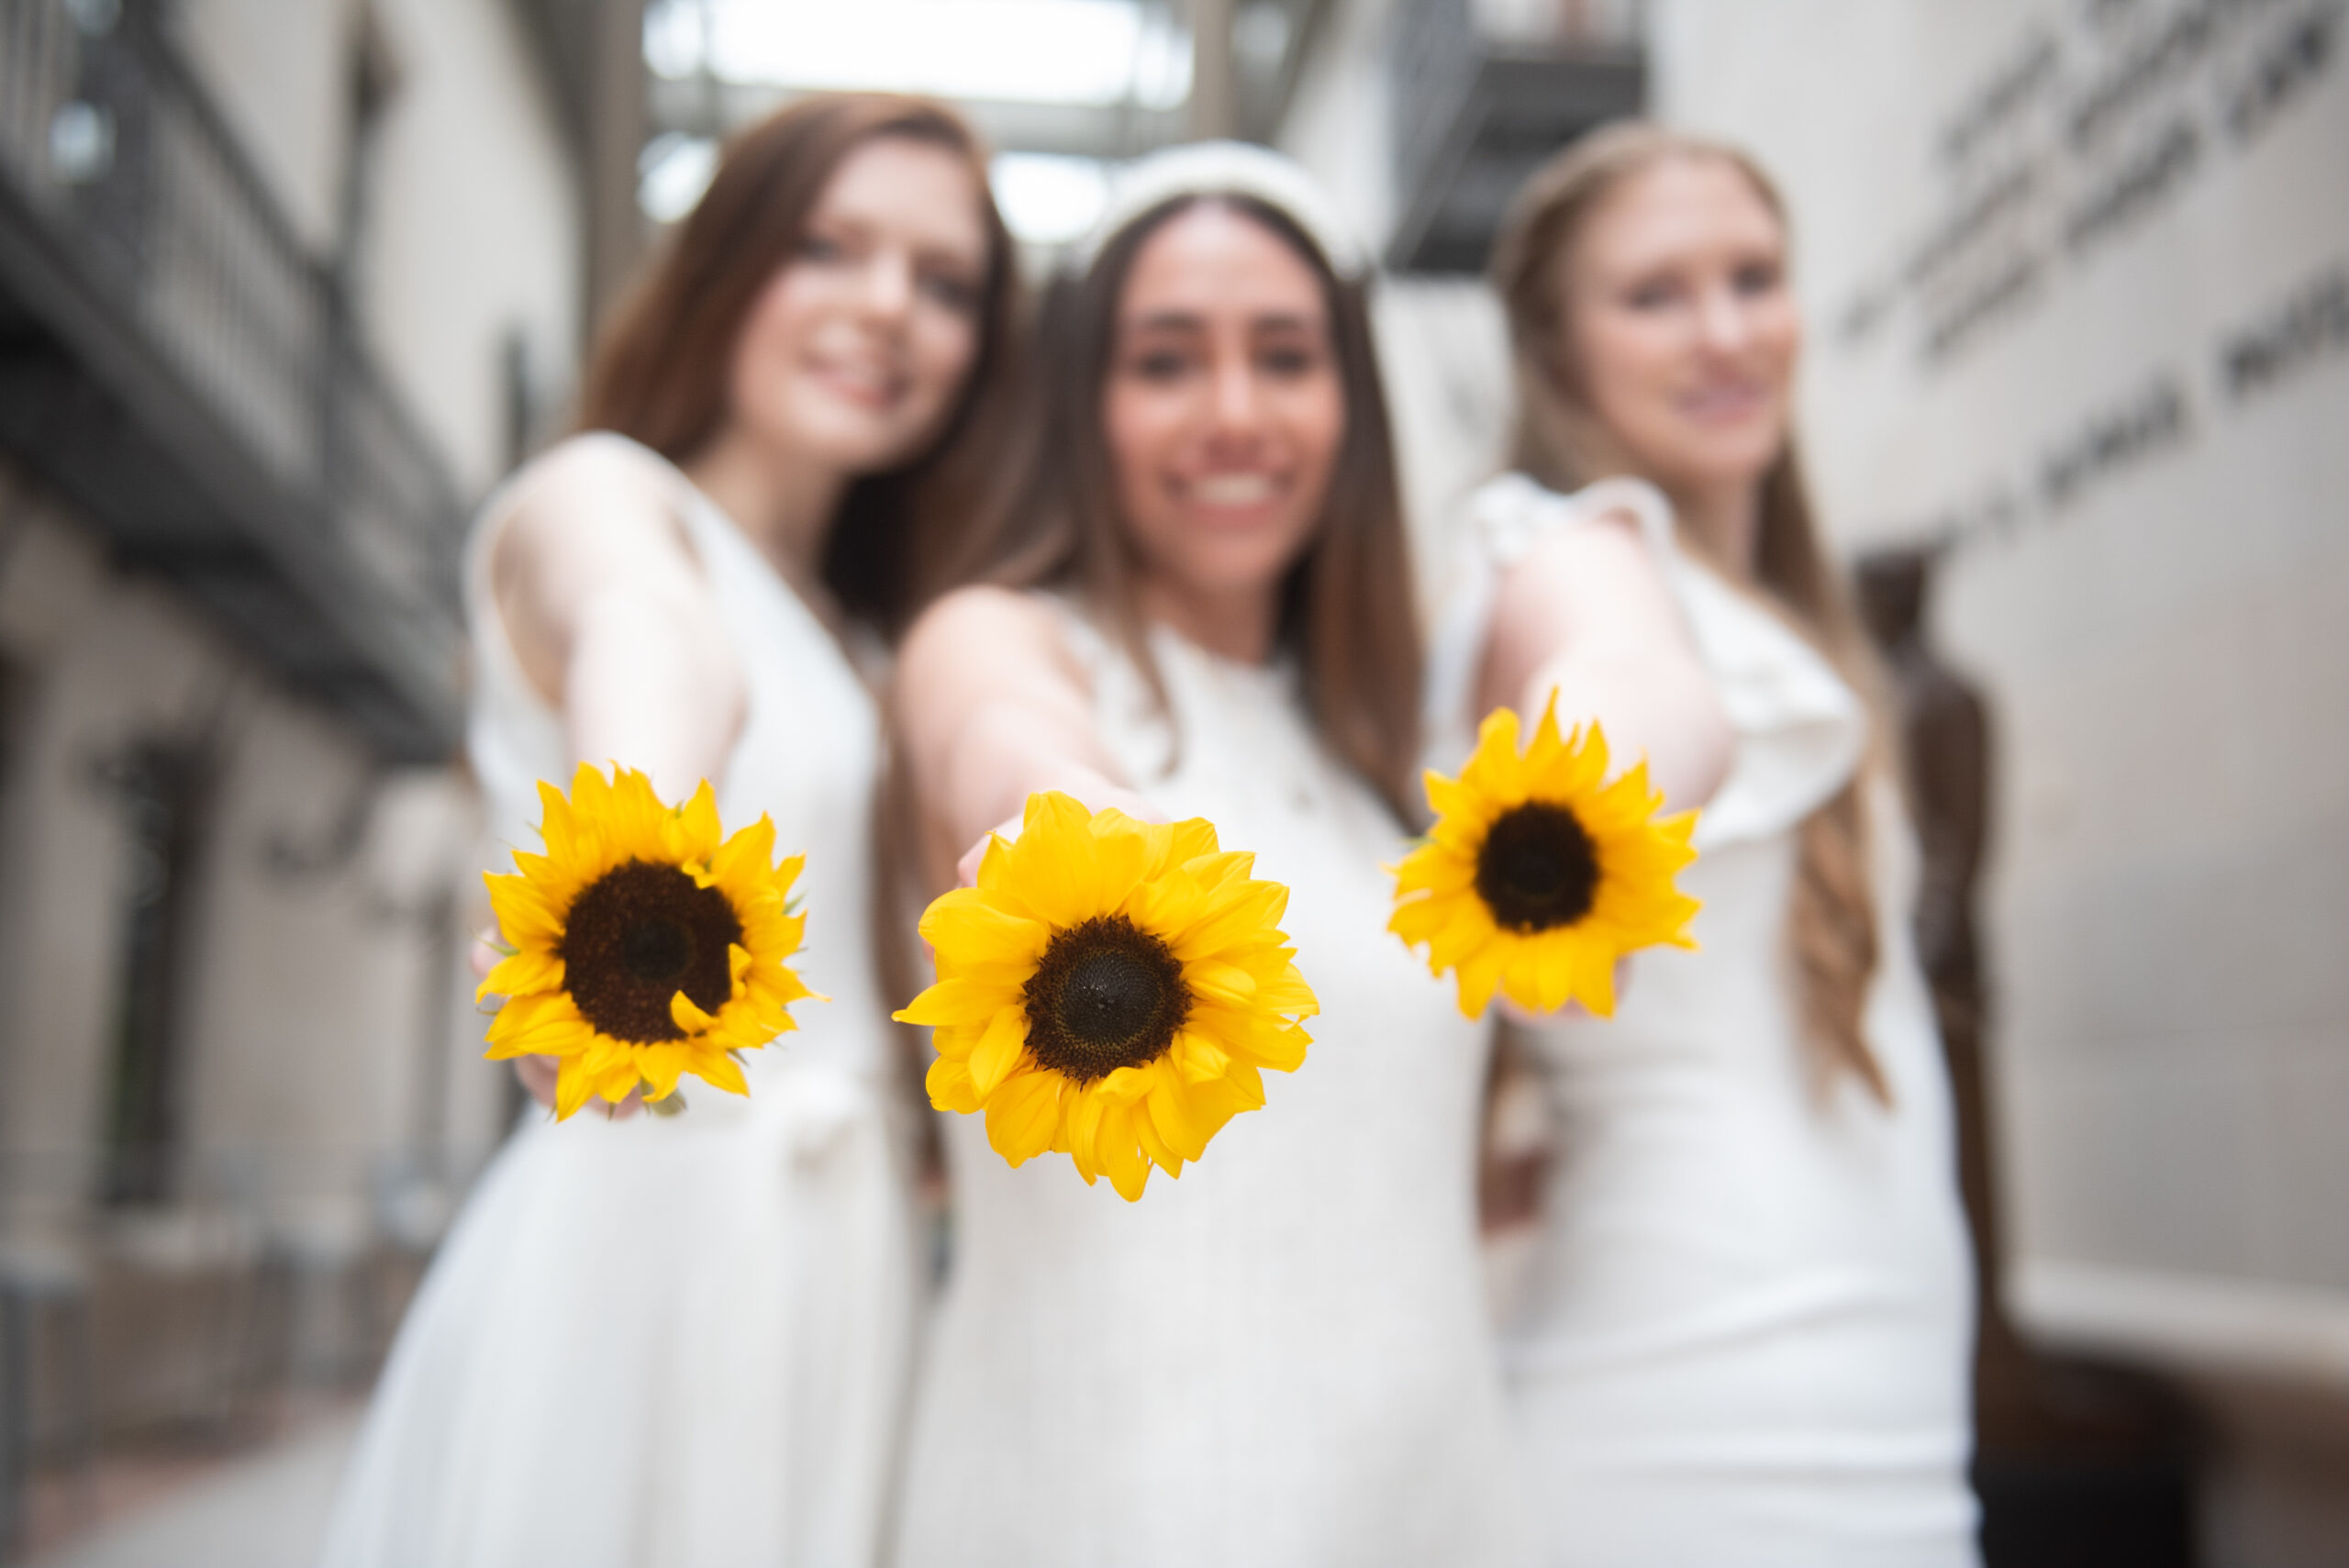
1234 490
873 389
1725 401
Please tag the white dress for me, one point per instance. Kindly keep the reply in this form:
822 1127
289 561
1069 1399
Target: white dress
1746 1332
673 1342
1282 1360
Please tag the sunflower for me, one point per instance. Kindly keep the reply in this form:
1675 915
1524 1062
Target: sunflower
1110 990
1537 876
645 943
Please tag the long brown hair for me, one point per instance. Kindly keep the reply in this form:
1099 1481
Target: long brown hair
1346 609
1560 441
659 370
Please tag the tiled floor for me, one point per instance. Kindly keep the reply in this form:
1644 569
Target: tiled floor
264 1507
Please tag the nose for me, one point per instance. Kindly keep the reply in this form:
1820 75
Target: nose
888 288
1235 393
1722 320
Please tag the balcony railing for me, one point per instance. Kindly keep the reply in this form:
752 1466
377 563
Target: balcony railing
1485 90
175 362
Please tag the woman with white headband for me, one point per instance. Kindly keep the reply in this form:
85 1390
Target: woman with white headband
1201 606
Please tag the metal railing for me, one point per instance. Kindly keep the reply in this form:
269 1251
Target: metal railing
113 145
1483 91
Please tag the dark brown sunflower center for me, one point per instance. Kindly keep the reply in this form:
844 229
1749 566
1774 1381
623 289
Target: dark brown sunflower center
1106 994
1537 869
640 934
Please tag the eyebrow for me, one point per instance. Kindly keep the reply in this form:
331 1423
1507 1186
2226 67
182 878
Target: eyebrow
858 227
1191 321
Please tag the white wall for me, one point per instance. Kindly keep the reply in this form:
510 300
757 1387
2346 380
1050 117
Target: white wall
1442 347
2149 576
280 73
310 994
475 224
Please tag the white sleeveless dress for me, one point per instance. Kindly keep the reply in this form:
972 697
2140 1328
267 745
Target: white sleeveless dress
673 1342
1746 1332
1282 1360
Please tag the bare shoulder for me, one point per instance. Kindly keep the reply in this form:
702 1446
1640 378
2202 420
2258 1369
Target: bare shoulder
1579 572
591 501
984 627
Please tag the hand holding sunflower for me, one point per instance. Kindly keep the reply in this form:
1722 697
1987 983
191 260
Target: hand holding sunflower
1111 990
646 943
1537 875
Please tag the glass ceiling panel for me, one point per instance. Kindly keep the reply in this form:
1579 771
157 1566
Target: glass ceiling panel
1090 52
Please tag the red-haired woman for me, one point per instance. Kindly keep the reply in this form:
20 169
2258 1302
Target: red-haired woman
684 1341
1745 1336
1203 607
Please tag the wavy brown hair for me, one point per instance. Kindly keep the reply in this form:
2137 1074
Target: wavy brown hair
662 362
1347 614
1560 441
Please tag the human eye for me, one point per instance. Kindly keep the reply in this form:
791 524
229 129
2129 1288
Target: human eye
1760 277
1160 364
1653 294
822 248
952 290
1289 360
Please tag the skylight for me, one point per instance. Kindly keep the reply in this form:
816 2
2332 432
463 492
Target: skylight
1088 53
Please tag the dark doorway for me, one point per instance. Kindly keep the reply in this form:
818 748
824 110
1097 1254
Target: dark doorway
162 788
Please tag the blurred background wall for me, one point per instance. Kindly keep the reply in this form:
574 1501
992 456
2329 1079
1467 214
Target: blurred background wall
283 288
2079 286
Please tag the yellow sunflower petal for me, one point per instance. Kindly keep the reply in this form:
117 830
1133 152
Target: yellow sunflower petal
1023 1112
957 1001
573 1088
1009 1017
606 825
518 975
719 1071
999 1050
692 833
1597 884
978 932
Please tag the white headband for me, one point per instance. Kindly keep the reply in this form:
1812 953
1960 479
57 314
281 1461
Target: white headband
1228 168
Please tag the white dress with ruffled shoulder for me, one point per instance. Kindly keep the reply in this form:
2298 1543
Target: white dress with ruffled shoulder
1746 1334
1283 1359
673 1342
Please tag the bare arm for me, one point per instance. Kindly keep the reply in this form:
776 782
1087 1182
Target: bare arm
612 618
991 708
1586 614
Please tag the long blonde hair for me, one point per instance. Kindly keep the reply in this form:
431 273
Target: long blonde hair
1561 442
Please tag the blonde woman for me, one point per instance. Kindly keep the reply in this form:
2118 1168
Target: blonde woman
1745 1335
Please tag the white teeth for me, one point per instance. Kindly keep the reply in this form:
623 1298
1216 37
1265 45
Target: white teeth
1233 489
870 379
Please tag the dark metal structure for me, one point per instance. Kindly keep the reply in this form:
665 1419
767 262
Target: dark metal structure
1477 112
176 364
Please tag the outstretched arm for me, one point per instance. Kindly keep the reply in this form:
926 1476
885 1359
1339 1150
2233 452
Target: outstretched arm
1586 614
612 621
612 617
991 708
